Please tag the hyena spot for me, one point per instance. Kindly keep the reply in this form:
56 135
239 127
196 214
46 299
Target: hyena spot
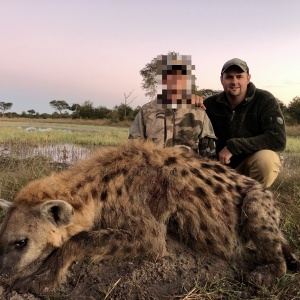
124 171
220 169
127 249
203 226
205 166
208 182
218 178
219 190
170 161
94 193
113 250
184 173
200 192
208 242
197 173
104 195
119 192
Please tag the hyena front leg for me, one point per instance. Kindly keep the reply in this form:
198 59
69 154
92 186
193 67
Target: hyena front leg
260 223
101 244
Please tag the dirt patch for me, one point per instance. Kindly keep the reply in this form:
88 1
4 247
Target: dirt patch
168 278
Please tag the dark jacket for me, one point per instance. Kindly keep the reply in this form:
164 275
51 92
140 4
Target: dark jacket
255 124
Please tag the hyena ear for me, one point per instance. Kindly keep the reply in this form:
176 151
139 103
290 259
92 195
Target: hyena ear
58 212
5 205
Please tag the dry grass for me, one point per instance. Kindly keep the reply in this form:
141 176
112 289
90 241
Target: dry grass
293 131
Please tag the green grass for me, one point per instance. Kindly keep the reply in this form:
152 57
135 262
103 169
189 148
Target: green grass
108 136
293 144
60 122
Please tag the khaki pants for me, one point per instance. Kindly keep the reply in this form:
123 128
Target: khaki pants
262 166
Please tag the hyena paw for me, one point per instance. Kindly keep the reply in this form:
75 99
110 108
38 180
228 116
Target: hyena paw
265 275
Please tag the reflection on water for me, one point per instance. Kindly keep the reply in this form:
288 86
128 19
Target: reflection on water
66 153
40 129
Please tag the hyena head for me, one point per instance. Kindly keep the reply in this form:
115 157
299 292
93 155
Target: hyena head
30 232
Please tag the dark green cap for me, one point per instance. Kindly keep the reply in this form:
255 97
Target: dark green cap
235 62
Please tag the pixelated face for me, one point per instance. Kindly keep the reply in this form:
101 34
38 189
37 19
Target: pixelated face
235 81
175 82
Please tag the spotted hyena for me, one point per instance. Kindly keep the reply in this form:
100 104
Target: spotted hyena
122 201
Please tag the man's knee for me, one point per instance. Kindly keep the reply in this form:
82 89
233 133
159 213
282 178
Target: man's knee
262 166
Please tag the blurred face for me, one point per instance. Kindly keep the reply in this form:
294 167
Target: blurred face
235 82
176 83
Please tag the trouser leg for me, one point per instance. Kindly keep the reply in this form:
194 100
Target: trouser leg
262 166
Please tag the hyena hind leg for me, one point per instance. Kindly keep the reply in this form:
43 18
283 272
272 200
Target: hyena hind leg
260 223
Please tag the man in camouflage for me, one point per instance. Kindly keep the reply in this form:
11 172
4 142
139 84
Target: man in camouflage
248 123
172 119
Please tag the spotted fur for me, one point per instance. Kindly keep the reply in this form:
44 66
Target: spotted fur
121 202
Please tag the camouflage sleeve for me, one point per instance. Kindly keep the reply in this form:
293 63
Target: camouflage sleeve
137 128
207 140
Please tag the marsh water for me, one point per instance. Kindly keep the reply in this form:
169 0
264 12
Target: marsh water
58 153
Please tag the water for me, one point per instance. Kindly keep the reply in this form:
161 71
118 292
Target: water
62 153
30 128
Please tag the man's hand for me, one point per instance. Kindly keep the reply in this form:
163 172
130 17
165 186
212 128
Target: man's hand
198 101
224 156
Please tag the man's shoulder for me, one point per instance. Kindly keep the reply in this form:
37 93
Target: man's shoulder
265 98
149 104
212 99
264 94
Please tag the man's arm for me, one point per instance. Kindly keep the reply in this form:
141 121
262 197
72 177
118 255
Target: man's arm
273 128
137 128
207 139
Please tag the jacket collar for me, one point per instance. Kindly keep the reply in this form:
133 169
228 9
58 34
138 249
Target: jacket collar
222 97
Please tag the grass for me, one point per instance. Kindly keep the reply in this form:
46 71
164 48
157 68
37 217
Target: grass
106 136
59 122
293 144
293 131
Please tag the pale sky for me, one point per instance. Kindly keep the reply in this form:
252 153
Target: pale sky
93 50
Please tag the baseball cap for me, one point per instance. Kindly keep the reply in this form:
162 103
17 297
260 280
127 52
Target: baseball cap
235 62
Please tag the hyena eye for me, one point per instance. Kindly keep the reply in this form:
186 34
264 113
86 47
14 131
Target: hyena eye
20 244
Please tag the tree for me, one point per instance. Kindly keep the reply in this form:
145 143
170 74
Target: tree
59 105
76 109
5 106
149 73
31 112
87 110
294 109
126 104
102 112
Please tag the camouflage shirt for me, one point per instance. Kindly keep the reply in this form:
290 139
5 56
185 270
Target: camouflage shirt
171 127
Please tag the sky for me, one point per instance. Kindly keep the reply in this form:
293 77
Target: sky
94 49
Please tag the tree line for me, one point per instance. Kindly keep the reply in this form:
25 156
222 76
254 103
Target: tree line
87 110
291 112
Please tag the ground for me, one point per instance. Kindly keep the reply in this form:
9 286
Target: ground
171 277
